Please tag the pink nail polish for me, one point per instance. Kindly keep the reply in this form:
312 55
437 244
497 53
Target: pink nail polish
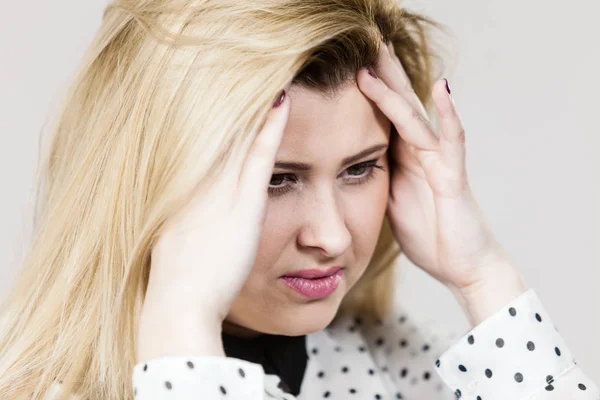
371 72
280 100
447 87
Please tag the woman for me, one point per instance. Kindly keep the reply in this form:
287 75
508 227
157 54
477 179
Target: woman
186 218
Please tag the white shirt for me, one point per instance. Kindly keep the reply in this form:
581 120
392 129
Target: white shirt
515 354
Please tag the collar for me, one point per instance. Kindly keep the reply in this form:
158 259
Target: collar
284 356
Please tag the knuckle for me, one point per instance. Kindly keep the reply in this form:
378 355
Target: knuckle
417 116
461 137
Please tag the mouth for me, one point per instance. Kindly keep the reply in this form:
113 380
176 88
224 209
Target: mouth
314 283
313 273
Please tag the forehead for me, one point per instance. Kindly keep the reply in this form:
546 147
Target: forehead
318 124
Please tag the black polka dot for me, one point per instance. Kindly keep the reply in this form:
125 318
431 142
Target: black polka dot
379 341
321 374
384 368
402 319
519 377
557 351
471 339
437 363
581 386
538 317
377 396
530 346
458 393
357 321
223 390
344 369
478 397
352 328
398 395
549 388
145 367
337 349
549 379
190 365
371 371
500 342
462 368
241 372
403 343
403 373
426 375
168 385
488 373
512 311
326 394
426 347
362 349
352 390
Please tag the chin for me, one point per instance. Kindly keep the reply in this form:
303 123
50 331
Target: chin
288 316
305 318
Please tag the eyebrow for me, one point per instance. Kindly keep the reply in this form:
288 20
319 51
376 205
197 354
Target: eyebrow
298 166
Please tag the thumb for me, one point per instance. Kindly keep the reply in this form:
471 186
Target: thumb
258 168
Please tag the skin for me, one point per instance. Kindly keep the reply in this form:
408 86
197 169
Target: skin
432 211
319 218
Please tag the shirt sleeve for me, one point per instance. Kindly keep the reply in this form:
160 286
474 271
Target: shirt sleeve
515 354
183 378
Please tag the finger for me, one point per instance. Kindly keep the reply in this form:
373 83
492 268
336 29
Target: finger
410 123
390 70
452 137
258 168
394 57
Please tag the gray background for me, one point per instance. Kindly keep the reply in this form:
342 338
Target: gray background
524 76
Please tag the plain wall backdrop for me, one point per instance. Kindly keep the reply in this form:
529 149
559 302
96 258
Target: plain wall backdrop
524 76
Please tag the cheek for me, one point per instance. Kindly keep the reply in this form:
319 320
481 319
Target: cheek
277 232
366 211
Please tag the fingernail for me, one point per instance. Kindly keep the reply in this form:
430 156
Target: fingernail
280 100
371 72
447 87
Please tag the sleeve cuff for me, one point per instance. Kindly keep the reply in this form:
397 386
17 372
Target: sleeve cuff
176 377
511 355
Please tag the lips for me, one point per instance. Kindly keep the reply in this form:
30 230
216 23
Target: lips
314 284
314 273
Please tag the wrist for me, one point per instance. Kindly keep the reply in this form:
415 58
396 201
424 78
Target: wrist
172 333
500 284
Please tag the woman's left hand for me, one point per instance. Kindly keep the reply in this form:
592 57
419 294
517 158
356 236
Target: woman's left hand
432 210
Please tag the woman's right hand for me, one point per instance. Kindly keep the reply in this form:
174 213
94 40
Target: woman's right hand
202 260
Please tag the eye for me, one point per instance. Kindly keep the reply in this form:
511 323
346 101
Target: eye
354 175
277 184
357 169
363 172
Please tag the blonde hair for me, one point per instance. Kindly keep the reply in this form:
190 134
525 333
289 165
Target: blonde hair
169 95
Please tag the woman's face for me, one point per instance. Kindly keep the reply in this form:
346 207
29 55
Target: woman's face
325 213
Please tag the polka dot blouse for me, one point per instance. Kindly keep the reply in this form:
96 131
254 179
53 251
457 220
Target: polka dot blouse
515 354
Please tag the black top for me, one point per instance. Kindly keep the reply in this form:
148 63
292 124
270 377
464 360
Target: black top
284 356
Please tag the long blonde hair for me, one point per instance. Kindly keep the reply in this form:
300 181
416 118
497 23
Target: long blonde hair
168 96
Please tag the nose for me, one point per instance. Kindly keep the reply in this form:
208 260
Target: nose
325 227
